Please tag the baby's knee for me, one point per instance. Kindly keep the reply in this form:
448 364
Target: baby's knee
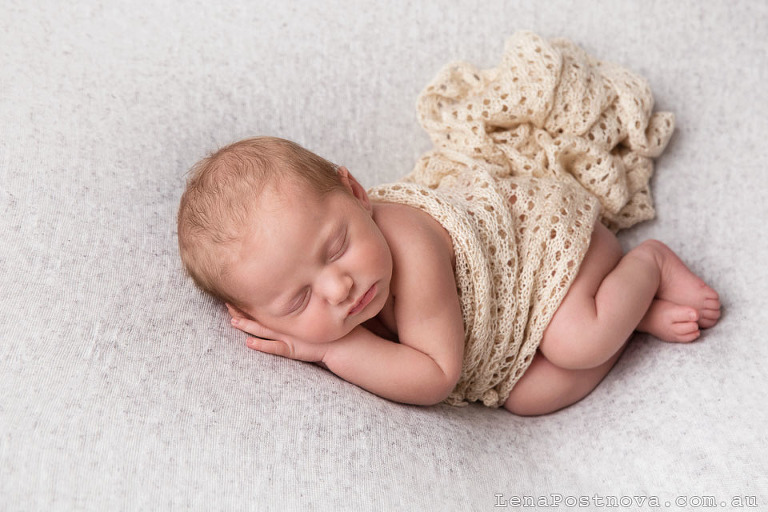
649 251
610 246
522 406
578 349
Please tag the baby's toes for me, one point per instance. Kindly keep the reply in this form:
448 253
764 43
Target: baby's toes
683 315
683 327
712 302
685 332
709 316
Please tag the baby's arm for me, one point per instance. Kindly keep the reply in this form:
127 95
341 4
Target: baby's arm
391 370
425 366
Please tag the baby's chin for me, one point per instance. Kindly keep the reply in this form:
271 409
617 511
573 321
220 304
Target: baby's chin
317 338
330 338
345 330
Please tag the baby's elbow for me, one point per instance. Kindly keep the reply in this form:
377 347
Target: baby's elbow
441 389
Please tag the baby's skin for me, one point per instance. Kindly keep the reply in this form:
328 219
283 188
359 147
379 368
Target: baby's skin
367 290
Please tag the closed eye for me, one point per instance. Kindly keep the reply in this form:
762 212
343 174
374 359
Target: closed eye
339 247
298 305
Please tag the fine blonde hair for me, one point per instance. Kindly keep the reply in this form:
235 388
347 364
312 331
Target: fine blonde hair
218 203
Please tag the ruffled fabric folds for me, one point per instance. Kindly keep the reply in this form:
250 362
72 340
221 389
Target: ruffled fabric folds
549 110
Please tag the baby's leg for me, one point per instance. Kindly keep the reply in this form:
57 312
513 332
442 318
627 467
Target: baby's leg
546 388
611 296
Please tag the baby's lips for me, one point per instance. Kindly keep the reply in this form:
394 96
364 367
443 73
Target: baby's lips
363 301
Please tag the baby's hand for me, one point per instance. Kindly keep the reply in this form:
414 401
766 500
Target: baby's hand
272 342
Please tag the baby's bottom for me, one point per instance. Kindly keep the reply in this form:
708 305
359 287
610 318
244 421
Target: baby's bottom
648 289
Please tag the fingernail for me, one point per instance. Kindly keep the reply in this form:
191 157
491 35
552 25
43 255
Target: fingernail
235 321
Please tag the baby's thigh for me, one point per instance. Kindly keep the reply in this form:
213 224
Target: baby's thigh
545 387
539 391
603 254
577 310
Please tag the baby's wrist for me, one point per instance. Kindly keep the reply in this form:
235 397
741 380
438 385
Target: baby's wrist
335 350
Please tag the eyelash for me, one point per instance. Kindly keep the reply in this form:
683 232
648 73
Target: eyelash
341 250
303 301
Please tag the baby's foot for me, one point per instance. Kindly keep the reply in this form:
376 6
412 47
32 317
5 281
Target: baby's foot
682 287
671 322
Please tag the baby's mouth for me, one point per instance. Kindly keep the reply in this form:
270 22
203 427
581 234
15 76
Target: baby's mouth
363 301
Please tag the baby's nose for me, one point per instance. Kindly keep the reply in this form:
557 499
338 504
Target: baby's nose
337 286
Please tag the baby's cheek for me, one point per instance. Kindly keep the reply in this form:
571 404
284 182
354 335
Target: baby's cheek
317 328
375 253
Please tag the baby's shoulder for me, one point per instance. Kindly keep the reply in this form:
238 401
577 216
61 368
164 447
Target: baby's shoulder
423 283
411 232
389 215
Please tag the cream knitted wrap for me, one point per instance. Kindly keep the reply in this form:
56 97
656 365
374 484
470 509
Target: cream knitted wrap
528 155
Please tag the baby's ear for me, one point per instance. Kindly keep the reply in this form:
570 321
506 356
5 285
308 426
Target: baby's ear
355 188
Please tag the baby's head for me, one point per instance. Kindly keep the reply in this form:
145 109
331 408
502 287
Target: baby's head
256 216
223 189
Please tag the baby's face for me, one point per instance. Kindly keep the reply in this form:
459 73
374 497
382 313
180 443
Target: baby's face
313 267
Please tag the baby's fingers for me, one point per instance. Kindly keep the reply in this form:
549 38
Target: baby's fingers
274 347
252 327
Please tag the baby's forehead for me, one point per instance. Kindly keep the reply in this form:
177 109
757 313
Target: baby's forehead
278 210
284 231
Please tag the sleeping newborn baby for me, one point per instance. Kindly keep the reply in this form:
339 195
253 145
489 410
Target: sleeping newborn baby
474 278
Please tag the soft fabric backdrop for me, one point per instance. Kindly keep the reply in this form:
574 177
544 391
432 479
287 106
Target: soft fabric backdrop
123 388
